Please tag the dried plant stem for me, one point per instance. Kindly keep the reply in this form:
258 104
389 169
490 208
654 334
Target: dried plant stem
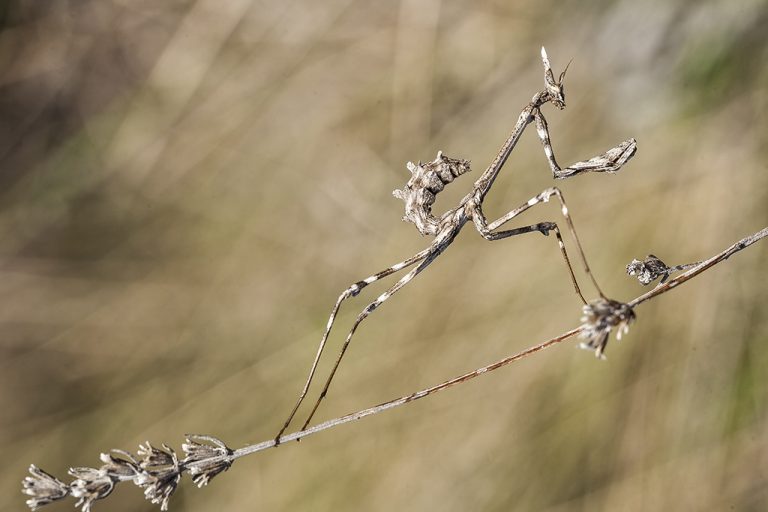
429 179
295 436
158 470
701 267
672 283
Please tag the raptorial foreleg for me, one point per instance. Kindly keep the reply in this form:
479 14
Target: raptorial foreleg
610 161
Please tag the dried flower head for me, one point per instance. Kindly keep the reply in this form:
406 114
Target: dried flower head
648 270
160 473
207 456
43 488
600 318
120 465
90 485
156 470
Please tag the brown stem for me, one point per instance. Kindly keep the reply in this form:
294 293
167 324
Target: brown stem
701 267
295 436
698 269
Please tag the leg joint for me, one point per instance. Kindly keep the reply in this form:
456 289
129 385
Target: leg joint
552 191
354 290
486 233
545 227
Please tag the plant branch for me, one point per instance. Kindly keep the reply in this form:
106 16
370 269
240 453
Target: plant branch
701 267
672 283
247 450
158 470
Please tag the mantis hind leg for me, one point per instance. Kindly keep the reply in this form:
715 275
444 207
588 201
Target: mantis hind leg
352 291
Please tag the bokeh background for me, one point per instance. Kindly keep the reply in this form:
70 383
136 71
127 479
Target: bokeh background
186 186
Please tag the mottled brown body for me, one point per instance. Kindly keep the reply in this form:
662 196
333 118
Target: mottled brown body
429 179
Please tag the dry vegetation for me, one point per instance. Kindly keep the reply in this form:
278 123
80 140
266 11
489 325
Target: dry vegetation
188 185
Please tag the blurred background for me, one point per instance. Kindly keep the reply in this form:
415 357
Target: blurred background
186 186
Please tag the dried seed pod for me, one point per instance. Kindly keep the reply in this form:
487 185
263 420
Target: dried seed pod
43 488
207 456
599 318
648 270
90 485
161 473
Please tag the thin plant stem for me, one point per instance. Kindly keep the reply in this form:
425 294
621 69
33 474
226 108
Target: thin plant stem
158 470
391 404
672 283
701 267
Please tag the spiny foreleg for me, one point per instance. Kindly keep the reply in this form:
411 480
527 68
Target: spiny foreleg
610 161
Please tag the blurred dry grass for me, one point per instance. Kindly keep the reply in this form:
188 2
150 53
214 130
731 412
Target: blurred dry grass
187 185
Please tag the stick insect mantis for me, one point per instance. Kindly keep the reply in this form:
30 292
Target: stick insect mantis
428 179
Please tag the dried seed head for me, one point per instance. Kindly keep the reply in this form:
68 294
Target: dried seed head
120 465
155 458
600 318
90 485
648 270
206 457
43 488
160 473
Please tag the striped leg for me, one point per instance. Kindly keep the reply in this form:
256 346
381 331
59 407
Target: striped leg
362 316
488 231
352 291
610 161
543 228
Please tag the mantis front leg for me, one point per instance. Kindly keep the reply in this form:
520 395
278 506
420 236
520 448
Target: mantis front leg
610 161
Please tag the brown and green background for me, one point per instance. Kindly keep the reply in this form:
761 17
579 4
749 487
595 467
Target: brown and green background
186 186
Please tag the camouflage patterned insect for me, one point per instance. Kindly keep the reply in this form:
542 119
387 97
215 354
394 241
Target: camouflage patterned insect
429 179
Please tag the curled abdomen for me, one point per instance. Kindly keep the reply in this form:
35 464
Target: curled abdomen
428 180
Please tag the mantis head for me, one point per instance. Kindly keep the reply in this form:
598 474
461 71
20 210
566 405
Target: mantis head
554 88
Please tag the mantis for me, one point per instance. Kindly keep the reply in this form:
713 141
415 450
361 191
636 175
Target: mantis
428 179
